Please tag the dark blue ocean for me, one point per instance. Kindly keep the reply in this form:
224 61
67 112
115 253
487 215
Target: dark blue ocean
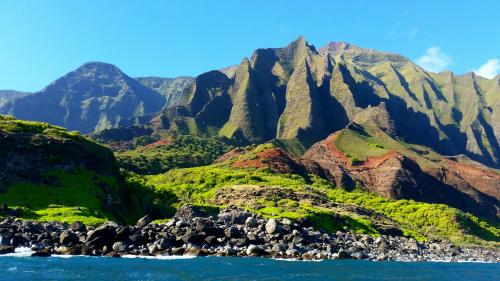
217 268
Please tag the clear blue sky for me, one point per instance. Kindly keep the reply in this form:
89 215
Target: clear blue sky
42 40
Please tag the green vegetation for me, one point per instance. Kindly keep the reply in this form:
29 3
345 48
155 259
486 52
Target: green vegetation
199 183
75 196
357 146
182 151
142 198
423 220
420 220
13 125
295 147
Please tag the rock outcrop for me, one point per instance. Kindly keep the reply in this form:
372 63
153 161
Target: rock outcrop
398 176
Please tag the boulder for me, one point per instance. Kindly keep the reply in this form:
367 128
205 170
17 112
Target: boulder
192 237
18 240
103 235
279 247
142 222
202 226
153 249
234 215
273 227
251 222
254 250
359 256
188 212
43 253
119 247
343 254
163 244
78 226
232 232
68 237
6 250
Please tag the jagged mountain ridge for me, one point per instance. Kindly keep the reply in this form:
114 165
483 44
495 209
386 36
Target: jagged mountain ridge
299 92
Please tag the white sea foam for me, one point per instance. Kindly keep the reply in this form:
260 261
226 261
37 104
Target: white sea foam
281 259
293 259
159 257
459 261
20 252
64 256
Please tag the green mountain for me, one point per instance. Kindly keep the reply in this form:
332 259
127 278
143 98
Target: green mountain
95 96
303 93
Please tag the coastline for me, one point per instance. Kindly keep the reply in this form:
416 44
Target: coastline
23 252
233 232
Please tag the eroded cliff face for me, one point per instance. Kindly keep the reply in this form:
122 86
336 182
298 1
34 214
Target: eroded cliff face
301 93
399 176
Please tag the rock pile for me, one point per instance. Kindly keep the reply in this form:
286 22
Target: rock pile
233 232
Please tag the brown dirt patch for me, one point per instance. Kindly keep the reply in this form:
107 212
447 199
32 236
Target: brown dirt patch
165 141
275 159
230 154
484 180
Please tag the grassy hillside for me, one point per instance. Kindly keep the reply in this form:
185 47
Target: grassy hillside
49 173
172 152
77 196
206 185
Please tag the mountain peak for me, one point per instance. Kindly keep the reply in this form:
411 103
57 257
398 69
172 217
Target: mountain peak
99 67
301 43
301 38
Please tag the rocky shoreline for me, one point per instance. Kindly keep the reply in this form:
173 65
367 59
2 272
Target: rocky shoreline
233 232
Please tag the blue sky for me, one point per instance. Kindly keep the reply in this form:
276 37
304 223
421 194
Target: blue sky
42 40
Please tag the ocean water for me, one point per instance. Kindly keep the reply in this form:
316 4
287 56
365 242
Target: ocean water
20 266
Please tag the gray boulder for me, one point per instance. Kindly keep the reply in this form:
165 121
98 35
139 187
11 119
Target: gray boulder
254 250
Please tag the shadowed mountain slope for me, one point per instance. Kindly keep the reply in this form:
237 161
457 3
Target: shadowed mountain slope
95 96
